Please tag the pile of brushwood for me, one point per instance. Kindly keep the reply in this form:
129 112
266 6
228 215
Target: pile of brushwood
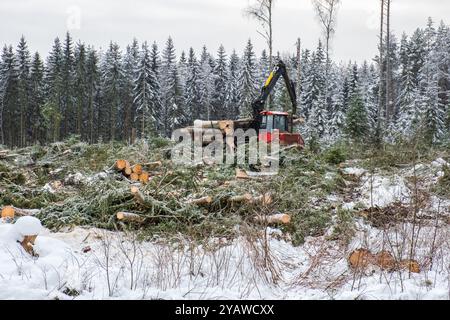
72 183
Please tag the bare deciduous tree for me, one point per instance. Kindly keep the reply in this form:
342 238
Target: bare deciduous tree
261 11
326 11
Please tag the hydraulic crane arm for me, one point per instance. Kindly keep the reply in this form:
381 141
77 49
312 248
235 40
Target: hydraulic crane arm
278 71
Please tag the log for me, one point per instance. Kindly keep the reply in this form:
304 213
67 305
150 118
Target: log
385 260
242 174
264 199
360 259
242 198
138 196
137 169
129 217
8 212
28 243
128 171
152 164
144 177
134 177
274 219
121 164
201 201
411 265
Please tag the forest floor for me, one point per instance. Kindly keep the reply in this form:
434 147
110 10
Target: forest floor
339 200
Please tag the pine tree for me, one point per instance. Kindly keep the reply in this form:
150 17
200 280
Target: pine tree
80 89
144 94
67 83
93 94
9 97
232 97
112 76
36 99
247 84
53 88
220 84
172 115
23 67
192 94
206 85
131 62
356 119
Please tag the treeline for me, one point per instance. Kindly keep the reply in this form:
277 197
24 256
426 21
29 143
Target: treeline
143 91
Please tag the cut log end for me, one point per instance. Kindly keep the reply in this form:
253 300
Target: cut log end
128 171
137 168
8 212
121 164
134 177
144 177
28 243
129 217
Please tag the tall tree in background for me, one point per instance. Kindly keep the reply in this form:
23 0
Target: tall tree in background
326 11
232 97
131 63
220 84
23 67
247 81
112 76
262 11
80 89
93 93
192 94
67 81
145 96
36 99
9 96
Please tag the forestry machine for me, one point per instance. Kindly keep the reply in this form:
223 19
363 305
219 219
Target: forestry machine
268 122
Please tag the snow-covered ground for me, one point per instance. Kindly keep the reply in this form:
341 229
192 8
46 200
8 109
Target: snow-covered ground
87 263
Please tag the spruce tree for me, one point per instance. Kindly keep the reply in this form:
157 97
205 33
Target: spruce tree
23 60
356 120
247 77
220 84
36 99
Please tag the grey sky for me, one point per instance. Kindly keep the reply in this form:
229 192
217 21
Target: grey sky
209 22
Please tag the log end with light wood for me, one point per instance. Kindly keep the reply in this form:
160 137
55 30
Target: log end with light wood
134 177
144 177
28 243
128 171
138 196
8 212
360 259
121 164
275 219
137 168
129 217
411 265
385 260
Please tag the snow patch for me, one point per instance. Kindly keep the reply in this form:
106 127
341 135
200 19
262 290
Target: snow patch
383 191
354 171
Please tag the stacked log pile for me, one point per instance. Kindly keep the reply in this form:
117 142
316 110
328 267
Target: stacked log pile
136 172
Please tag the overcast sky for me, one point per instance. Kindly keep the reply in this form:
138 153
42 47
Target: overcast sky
210 22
